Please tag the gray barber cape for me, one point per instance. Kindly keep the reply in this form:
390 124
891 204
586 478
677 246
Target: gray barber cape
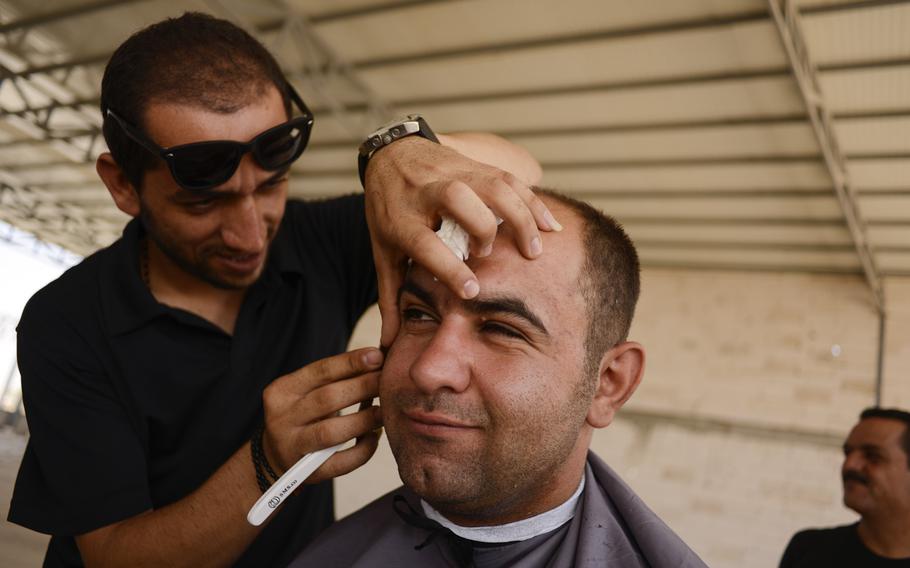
611 527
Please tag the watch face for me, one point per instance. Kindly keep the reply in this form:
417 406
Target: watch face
413 124
389 133
393 123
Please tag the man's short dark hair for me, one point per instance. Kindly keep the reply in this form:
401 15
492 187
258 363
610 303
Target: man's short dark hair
892 414
610 278
196 60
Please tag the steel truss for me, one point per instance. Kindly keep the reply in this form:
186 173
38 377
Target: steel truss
786 17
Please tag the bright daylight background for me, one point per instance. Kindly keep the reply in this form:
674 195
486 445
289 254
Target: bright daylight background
27 265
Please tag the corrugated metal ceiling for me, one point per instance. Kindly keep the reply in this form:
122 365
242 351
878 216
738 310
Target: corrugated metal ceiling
682 118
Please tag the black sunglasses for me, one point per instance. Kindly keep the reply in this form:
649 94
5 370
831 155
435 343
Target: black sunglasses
204 165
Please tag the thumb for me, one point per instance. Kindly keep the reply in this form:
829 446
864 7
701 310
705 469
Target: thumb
390 274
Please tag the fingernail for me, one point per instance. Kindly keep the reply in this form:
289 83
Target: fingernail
471 288
487 250
372 357
536 247
551 220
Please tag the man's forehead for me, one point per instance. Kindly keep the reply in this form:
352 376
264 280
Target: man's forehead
877 431
507 273
219 101
172 123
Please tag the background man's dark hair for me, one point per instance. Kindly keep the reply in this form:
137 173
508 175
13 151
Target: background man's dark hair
892 414
609 280
195 59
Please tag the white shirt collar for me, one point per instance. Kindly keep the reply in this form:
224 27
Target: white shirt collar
510 532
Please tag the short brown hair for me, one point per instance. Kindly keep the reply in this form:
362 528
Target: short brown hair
610 278
892 414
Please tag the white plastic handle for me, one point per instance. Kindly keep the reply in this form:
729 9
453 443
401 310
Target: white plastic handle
287 483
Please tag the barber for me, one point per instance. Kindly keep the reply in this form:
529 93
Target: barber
169 378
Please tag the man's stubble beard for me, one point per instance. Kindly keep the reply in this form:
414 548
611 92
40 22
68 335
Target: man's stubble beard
197 269
493 482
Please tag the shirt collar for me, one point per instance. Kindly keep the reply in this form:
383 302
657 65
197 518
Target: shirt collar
283 256
127 301
517 531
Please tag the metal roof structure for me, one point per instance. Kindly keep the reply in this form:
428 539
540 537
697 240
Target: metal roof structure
731 134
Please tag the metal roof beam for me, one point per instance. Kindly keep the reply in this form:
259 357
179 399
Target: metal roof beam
568 39
842 6
22 203
73 105
316 64
71 65
786 18
53 17
35 120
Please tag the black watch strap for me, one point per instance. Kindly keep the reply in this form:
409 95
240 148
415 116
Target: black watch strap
411 125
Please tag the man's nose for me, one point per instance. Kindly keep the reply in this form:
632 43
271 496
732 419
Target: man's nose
852 462
242 226
446 361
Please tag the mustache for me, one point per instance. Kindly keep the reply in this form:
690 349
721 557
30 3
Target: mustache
855 476
443 403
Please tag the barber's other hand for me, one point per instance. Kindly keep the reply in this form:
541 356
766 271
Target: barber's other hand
410 185
301 413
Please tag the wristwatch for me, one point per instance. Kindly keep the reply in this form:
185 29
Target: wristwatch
385 135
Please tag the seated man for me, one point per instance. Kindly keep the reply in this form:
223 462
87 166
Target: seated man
490 405
876 477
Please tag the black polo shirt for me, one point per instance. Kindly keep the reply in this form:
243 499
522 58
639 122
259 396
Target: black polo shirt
836 547
132 404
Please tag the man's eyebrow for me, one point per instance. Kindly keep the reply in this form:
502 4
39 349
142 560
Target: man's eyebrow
492 305
411 287
864 447
506 305
276 176
183 193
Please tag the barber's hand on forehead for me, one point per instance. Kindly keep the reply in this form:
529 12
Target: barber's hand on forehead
410 185
301 413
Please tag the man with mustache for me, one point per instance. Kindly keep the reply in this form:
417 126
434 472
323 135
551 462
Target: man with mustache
876 475
170 378
490 405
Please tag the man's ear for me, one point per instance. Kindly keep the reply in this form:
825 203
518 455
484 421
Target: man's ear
621 369
125 195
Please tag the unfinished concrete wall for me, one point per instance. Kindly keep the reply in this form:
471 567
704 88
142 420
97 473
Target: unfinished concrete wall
752 381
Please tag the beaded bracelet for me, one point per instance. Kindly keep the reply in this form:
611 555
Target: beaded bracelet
260 463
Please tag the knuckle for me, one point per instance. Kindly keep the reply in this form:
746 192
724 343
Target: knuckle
487 231
352 362
511 195
535 202
528 223
363 422
452 191
423 240
270 396
509 178
321 435
323 400
317 369
367 385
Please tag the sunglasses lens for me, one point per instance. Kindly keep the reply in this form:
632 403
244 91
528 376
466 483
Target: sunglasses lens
205 165
280 146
